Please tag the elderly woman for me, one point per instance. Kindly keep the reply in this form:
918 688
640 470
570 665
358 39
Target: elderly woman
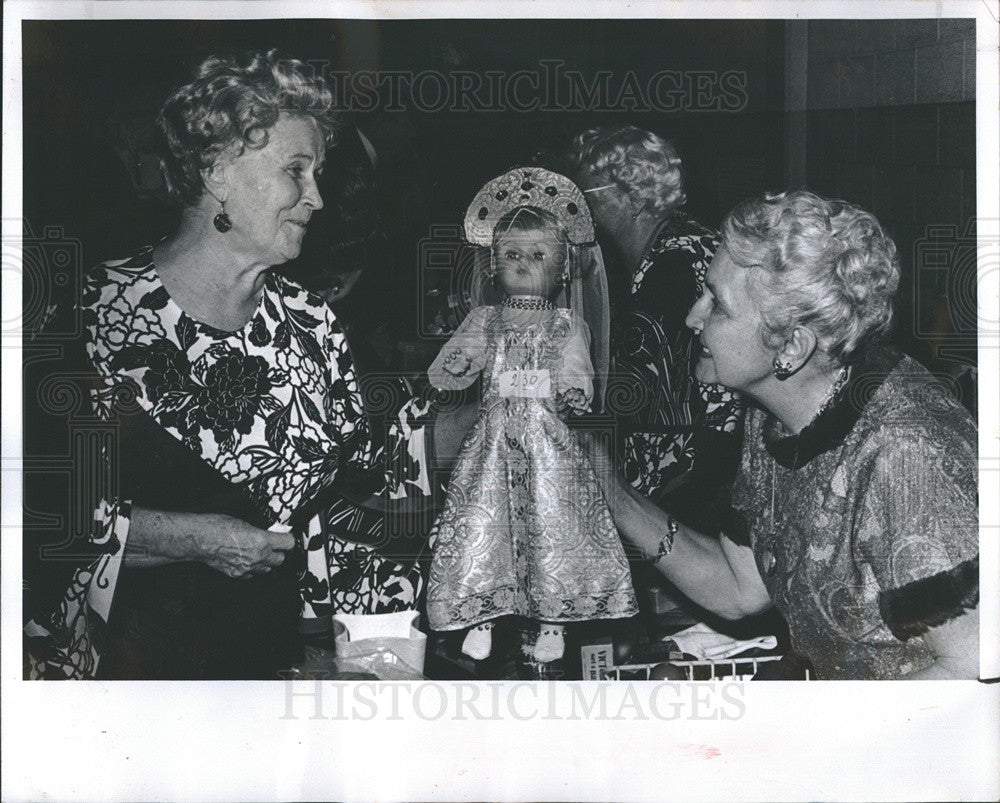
854 511
233 397
676 431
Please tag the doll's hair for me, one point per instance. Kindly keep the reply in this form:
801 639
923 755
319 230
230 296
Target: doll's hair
529 218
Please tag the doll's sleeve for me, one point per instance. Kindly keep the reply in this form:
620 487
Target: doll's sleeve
458 364
577 369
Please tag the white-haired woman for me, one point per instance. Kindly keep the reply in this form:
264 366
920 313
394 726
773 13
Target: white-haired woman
855 508
234 400
676 431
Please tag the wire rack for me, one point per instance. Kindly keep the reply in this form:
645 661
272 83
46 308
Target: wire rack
736 668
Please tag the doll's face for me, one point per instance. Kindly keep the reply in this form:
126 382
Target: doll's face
529 263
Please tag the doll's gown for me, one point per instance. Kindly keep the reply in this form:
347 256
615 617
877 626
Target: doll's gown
525 529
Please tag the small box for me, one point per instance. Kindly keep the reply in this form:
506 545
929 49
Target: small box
596 659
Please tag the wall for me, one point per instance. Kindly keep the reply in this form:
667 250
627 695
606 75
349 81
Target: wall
884 116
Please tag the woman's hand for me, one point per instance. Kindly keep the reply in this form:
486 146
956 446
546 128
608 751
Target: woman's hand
238 549
955 646
573 400
712 571
227 544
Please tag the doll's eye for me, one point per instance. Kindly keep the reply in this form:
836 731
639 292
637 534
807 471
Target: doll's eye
511 255
539 255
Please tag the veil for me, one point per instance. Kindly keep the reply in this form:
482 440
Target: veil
586 293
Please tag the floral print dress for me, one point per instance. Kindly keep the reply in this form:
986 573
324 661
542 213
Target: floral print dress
261 420
675 430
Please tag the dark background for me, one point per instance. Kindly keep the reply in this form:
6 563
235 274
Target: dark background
879 112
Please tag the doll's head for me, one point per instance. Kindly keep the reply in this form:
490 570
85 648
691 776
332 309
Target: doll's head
530 254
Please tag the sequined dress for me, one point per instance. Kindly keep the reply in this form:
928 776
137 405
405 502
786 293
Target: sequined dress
525 529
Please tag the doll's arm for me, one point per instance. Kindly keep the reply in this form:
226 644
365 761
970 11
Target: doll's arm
458 364
576 379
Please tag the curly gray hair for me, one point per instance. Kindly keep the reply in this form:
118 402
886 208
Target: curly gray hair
642 165
235 100
825 264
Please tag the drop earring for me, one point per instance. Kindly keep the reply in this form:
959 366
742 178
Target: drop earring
221 221
782 370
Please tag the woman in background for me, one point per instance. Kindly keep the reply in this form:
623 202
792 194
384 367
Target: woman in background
680 436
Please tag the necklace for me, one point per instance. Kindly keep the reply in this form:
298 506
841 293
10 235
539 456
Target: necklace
835 389
838 385
526 302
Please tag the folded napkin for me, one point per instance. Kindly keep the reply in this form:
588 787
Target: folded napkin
705 643
386 644
398 624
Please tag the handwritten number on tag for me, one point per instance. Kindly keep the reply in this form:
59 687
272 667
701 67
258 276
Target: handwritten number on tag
526 384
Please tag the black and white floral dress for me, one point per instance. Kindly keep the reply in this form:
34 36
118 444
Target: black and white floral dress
254 423
677 433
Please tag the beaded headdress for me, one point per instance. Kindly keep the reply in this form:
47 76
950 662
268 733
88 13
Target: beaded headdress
529 186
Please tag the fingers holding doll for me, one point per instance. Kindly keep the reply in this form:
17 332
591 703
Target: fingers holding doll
573 401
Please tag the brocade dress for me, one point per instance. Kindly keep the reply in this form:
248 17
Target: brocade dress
864 526
525 529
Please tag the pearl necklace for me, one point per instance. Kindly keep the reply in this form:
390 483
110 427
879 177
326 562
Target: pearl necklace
521 302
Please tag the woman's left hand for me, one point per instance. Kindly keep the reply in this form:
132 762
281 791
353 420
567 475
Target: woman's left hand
955 646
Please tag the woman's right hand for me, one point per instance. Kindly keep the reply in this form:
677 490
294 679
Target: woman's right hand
238 549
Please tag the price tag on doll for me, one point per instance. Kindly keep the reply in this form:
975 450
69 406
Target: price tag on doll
525 384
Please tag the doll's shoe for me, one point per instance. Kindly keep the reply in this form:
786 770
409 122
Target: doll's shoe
478 642
550 645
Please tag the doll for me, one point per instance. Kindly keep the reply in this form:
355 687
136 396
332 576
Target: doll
525 529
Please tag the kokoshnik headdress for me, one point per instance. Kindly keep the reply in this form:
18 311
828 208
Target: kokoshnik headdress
586 293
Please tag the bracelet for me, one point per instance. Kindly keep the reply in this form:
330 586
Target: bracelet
667 542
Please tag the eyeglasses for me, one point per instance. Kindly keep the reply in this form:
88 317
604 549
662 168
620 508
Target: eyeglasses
596 189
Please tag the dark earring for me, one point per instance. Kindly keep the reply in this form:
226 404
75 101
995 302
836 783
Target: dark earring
782 370
221 221
562 279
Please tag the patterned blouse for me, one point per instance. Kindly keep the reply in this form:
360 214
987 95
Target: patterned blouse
671 423
864 526
273 408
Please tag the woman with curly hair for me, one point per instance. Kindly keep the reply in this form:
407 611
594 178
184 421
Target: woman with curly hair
854 511
679 436
231 400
